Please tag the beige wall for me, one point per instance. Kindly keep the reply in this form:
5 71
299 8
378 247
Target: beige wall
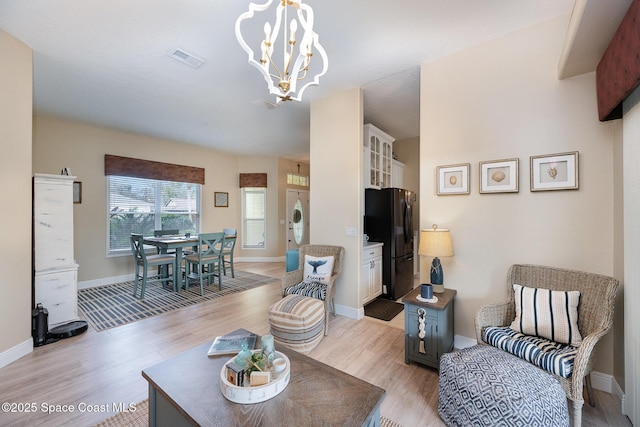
408 152
618 255
59 143
503 100
15 170
631 162
337 194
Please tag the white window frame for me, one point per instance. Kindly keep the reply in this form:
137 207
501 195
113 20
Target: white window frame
245 234
157 219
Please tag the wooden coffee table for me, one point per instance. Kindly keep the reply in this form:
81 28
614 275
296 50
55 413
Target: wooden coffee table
185 390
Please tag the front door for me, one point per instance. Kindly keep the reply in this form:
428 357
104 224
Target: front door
297 218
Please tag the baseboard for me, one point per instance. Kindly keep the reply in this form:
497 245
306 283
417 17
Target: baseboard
259 259
350 312
602 382
104 281
617 390
460 342
16 352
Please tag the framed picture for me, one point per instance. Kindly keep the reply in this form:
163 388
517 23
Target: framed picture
452 179
499 176
77 192
554 172
221 199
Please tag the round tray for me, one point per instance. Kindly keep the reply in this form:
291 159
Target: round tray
258 393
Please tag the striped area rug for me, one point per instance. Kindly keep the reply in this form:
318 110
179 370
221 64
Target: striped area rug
108 306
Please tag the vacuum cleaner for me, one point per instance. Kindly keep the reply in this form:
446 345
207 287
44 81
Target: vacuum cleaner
40 328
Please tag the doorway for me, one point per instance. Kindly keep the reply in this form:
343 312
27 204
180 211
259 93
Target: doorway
297 218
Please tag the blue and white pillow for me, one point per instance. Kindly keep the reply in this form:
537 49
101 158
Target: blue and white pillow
317 269
548 314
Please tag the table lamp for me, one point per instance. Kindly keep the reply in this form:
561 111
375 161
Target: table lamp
436 243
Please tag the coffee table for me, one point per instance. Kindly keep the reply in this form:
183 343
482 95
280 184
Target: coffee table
185 391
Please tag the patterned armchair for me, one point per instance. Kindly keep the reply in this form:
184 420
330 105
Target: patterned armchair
595 317
292 281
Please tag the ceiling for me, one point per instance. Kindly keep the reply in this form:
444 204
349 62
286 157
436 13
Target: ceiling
107 63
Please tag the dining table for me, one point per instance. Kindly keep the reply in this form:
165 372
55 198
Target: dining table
176 242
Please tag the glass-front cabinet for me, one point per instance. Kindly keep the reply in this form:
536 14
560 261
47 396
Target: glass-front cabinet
378 157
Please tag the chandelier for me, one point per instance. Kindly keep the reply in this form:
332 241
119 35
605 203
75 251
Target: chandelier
286 68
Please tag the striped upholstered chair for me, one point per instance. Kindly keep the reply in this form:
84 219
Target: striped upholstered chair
293 281
595 317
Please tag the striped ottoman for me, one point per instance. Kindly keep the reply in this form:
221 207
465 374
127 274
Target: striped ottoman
485 386
297 322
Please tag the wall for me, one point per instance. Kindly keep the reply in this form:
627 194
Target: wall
500 100
618 254
58 143
408 152
336 198
15 170
631 166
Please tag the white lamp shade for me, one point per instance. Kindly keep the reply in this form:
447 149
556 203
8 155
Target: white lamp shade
435 242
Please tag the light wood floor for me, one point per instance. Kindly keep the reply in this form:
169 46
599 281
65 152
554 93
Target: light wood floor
97 370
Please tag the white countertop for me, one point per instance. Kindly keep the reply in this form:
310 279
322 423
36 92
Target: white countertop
372 244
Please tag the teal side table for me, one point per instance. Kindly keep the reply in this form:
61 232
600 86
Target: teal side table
438 327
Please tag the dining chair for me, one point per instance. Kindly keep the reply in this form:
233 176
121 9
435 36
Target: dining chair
144 261
230 235
165 232
205 263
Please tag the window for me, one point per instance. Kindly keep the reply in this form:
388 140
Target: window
297 179
254 208
138 205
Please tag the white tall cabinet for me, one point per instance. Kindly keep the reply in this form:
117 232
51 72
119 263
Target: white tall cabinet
378 157
55 270
397 174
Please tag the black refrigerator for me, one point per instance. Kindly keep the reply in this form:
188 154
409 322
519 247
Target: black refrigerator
388 219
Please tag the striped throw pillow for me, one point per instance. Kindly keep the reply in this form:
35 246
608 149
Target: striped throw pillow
548 314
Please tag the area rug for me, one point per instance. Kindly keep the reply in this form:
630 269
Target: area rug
383 309
140 418
108 306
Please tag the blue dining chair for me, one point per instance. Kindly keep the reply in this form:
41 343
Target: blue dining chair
144 262
228 245
205 263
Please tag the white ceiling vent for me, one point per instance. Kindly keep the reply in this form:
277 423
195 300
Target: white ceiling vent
266 104
186 58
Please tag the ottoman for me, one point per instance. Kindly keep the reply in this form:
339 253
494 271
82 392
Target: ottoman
485 386
297 322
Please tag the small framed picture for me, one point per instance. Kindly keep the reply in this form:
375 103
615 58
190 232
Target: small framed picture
499 176
554 172
221 199
452 179
77 192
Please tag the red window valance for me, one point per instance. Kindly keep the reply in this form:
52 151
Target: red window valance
253 180
138 168
618 73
